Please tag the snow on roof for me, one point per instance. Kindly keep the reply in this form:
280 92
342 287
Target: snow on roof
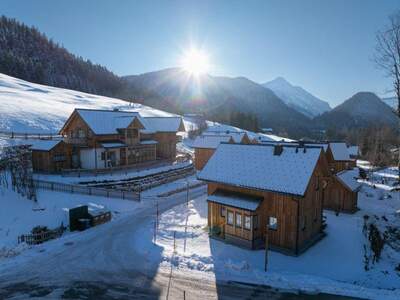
323 145
210 141
148 142
235 200
162 124
256 167
263 137
107 121
113 145
339 151
349 178
236 135
353 150
35 144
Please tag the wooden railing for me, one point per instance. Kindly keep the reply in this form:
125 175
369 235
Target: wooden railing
26 135
86 190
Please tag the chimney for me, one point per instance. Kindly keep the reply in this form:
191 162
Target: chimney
278 149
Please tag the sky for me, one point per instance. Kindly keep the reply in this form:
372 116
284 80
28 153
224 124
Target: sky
327 47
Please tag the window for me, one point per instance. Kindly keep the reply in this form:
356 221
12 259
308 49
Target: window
81 133
238 220
230 218
247 222
223 211
132 133
59 157
103 156
255 222
272 223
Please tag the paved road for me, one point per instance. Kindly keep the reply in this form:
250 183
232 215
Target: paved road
102 263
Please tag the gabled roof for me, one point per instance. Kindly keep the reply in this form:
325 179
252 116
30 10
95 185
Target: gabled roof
349 179
237 136
339 151
256 167
35 144
162 124
211 141
108 121
353 150
235 200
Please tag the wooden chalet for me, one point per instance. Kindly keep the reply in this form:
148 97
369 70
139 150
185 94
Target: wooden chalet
256 191
48 156
342 192
110 138
338 157
206 144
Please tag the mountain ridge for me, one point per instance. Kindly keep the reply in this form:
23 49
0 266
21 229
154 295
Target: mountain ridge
297 97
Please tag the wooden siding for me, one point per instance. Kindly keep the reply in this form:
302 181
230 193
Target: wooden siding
201 157
339 198
338 165
299 219
54 160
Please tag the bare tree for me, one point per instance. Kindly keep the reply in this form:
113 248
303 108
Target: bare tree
388 58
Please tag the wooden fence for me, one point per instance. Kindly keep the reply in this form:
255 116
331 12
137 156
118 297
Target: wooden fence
38 238
86 190
25 135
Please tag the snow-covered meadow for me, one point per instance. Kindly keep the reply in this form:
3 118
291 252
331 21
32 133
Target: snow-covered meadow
334 265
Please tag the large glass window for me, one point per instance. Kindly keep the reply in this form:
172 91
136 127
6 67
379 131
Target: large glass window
247 222
230 218
223 211
238 220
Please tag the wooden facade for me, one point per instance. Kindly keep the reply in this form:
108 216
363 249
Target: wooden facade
53 160
296 221
202 155
134 146
339 198
337 166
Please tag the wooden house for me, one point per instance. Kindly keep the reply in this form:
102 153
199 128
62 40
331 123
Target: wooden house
206 144
338 157
341 194
48 156
256 191
103 138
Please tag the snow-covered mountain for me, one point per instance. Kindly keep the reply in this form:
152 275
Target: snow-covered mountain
33 108
297 97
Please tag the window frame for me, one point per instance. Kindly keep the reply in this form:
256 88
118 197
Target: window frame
228 213
241 220
247 217
222 211
273 226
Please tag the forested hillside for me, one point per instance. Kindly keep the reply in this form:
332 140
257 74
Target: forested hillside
28 54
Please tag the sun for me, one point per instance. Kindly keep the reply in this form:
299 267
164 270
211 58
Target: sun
195 62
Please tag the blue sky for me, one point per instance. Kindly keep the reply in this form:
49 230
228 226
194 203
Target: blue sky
324 46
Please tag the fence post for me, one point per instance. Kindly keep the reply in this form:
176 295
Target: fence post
52 186
90 190
72 189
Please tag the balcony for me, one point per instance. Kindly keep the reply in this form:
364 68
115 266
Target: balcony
76 141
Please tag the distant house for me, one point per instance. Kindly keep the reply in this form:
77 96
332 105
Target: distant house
342 192
205 146
109 138
338 157
259 190
354 152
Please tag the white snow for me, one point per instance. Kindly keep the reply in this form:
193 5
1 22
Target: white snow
235 200
35 144
210 141
256 166
349 178
33 108
339 151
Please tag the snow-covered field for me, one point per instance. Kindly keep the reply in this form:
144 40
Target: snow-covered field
33 108
334 265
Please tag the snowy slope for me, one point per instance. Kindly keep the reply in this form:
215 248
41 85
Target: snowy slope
297 97
34 108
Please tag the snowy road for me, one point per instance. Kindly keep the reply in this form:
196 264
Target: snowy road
103 263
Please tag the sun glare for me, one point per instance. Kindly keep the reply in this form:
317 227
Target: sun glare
195 62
